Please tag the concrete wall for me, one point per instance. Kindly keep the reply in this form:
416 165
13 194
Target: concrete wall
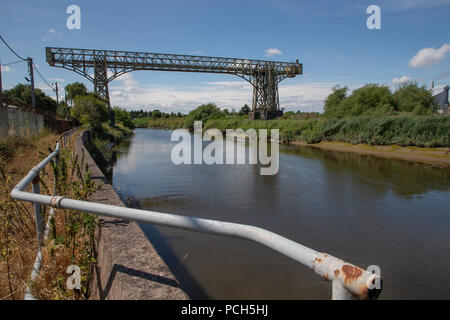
128 265
15 122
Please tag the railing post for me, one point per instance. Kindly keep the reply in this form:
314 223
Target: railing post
38 213
56 173
339 292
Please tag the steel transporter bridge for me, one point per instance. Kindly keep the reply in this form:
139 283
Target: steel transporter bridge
95 64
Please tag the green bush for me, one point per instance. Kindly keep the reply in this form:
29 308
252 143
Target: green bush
412 98
90 110
377 100
203 113
124 117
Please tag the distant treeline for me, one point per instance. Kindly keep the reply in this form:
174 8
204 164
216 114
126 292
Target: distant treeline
371 114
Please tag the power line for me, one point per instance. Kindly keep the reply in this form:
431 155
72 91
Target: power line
30 61
42 77
7 64
11 49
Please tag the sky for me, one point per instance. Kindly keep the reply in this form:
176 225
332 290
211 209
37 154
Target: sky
329 37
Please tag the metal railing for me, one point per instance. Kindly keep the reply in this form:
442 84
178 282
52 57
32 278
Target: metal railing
348 281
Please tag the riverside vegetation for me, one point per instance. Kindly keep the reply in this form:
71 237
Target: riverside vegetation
371 115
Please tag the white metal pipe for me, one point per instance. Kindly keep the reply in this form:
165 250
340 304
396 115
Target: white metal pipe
38 215
34 273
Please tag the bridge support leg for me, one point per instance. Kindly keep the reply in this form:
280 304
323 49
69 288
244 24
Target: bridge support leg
266 103
101 78
101 83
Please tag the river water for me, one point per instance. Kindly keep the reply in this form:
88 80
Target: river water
366 210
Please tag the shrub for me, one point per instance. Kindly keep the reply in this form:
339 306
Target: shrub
203 113
90 110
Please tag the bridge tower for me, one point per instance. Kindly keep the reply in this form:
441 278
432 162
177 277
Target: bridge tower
266 102
101 76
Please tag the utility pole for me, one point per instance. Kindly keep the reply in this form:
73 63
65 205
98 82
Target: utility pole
57 98
30 70
1 87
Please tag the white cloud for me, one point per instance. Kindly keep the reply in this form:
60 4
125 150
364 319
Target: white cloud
6 69
128 93
129 84
272 52
401 80
306 97
429 56
57 79
229 84
51 35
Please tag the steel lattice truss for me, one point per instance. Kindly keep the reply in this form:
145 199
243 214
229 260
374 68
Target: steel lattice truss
95 64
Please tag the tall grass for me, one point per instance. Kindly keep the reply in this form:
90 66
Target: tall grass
405 129
72 234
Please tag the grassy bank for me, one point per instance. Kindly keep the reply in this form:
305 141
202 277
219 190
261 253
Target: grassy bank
71 235
162 123
401 130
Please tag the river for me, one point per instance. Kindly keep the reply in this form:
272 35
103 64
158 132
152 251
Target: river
363 209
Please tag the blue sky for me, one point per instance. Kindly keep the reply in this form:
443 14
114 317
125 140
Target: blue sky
330 38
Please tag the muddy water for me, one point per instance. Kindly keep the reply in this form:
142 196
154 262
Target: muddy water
366 210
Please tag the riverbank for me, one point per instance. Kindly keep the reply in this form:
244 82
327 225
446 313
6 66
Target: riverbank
422 139
102 142
437 157
124 270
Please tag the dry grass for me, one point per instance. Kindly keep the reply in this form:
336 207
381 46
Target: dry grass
18 242
71 234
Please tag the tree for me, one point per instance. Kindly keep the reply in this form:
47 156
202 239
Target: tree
332 106
124 117
21 95
369 99
74 90
156 114
64 108
203 113
90 110
410 97
244 110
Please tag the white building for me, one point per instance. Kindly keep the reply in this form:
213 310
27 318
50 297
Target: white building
441 94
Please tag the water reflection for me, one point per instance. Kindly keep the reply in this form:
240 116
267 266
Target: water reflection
363 209
403 178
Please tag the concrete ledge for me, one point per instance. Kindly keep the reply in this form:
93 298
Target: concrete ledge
129 268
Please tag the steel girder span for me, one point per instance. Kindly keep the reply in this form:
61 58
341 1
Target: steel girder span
95 64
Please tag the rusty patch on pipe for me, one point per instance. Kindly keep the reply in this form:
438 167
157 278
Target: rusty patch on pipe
55 201
336 272
351 273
